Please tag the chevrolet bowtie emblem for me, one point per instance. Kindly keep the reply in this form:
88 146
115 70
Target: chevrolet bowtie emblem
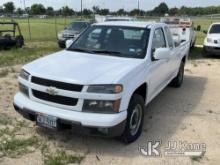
52 91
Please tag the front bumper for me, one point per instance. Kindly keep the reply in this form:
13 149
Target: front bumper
109 125
211 50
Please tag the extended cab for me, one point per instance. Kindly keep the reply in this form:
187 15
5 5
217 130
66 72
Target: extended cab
103 81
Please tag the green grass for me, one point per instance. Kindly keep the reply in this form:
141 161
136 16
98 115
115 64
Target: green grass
204 23
10 145
62 158
31 51
14 147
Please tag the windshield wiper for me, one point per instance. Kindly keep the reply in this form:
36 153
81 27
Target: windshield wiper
108 52
81 50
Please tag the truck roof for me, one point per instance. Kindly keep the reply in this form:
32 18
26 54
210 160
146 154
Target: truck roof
129 23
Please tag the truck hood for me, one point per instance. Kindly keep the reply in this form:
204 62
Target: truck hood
214 36
82 68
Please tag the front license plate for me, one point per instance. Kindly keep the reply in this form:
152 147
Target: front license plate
47 121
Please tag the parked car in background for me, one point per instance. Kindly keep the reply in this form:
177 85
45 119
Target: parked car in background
72 31
211 44
10 35
182 28
101 84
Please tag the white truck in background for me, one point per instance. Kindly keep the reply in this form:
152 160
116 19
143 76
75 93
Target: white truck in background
182 29
101 84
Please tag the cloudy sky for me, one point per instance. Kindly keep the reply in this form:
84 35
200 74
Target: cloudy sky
114 4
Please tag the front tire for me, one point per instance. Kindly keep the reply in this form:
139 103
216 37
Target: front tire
135 118
178 80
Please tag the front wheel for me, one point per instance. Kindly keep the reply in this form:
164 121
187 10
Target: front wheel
134 122
178 80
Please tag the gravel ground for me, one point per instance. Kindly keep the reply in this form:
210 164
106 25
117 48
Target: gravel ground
190 113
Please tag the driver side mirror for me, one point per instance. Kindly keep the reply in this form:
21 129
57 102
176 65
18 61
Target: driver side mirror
161 53
69 43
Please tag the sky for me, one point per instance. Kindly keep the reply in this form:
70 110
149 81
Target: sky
114 5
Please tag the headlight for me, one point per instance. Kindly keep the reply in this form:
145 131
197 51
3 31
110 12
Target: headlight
101 106
60 35
25 75
23 89
209 40
107 89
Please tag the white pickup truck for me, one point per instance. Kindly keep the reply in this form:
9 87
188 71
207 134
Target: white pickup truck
101 84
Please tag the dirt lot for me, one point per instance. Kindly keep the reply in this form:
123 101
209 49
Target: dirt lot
191 113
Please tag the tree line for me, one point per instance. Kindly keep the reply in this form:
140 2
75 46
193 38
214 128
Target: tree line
160 10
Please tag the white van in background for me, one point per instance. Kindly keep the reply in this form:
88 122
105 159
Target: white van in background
182 29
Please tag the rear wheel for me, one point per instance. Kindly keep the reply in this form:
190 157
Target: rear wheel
178 80
134 122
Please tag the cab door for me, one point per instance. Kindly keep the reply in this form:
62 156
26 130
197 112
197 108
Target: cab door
173 60
158 70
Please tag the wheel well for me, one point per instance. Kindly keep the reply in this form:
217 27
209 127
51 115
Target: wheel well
142 91
184 59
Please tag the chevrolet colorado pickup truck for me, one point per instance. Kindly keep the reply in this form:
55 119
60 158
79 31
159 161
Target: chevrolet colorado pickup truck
102 82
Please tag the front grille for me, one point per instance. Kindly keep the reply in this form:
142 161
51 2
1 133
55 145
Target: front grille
55 99
216 48
57 84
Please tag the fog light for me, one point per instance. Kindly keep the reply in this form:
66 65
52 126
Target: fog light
24 89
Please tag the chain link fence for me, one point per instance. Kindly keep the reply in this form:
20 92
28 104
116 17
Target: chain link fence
45 28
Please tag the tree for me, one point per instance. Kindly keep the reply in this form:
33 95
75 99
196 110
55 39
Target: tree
174 11
161 9
121 12
9 7
66 11
87 12
28 10
1 9
103 11
38 9
50 11
19 11
95 9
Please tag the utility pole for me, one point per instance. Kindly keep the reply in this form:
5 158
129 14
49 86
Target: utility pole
29 26
81 10
139 7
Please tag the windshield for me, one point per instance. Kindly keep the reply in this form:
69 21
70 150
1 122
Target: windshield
215 29
77 26
113 40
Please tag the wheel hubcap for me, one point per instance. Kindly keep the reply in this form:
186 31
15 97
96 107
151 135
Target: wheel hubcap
135 119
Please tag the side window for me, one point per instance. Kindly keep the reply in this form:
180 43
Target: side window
169 37
158 39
